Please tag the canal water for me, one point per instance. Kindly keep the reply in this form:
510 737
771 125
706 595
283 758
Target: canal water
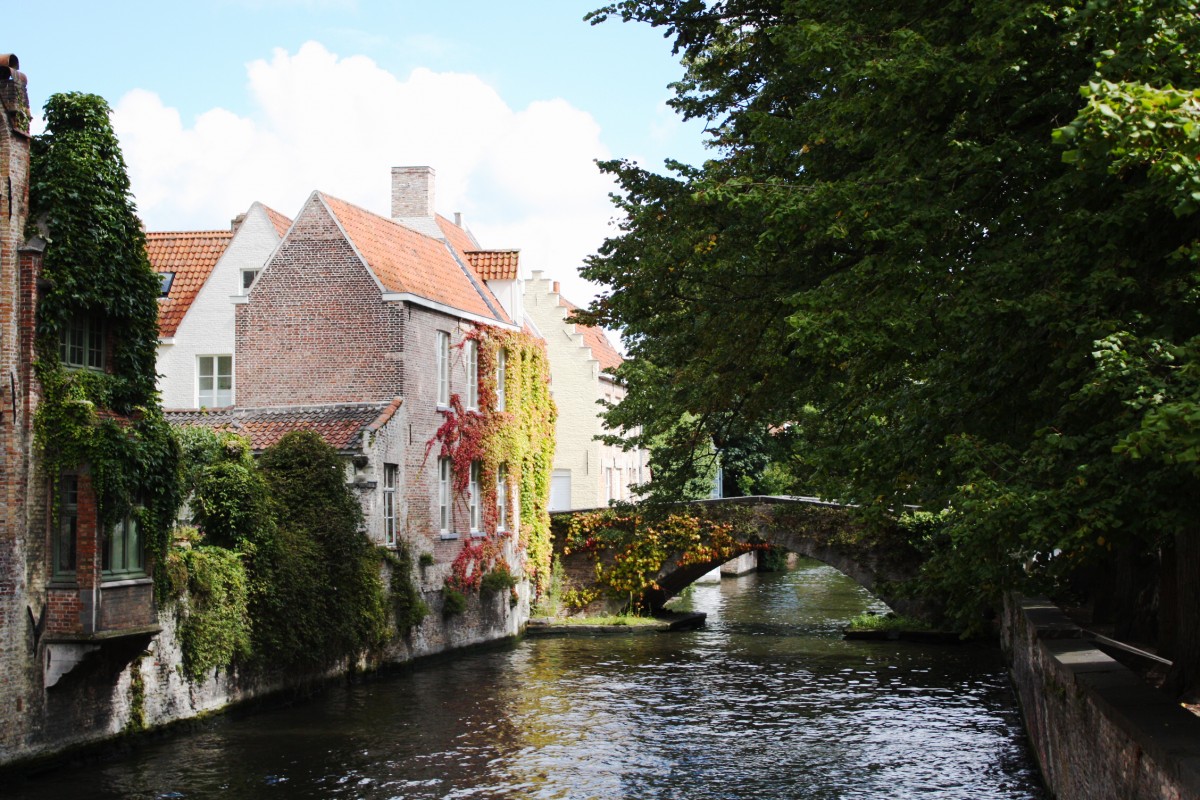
766 702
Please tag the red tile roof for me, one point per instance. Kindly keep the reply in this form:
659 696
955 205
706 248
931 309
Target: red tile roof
341 426
191 256
280 222
407 261
495 265
597 342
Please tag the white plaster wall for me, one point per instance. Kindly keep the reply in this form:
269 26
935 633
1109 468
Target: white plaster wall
577 386
511 297
208 327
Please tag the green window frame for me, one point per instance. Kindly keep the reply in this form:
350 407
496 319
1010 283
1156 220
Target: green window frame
81 343
66 536
123 554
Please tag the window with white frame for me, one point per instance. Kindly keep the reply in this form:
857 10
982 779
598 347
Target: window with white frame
443 368
502 496
501 369
444 494
249 276
123 556
214 387
471 354
474 499
390 472
81 342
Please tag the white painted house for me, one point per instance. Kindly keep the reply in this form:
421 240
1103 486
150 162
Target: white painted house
587 473
204 274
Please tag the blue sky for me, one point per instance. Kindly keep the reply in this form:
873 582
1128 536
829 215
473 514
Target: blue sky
224 102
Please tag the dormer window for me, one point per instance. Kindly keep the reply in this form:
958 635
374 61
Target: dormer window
249 276
81 343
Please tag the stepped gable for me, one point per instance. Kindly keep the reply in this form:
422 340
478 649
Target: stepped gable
406 261
602 349
340 425
495 265
191 256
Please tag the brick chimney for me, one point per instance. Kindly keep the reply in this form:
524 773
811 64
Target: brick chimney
412 192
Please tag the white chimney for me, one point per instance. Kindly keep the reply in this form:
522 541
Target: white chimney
412 192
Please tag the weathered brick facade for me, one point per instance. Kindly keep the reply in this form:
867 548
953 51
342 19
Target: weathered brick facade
315 329
21 546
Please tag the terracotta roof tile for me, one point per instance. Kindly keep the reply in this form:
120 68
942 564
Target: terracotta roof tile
597 342
191 255
341 426
407 261
495 265
280 222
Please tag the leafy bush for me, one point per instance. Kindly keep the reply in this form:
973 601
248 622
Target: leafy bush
317 593
214 627
453 601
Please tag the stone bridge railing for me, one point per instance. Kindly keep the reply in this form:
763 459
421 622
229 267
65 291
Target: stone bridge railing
604 550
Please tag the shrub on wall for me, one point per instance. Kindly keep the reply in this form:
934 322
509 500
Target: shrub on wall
214 619
319 597
313 593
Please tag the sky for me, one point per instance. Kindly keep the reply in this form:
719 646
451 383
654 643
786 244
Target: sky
219 103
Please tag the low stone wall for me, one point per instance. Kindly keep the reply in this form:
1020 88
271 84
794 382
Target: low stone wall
1097 729
112 692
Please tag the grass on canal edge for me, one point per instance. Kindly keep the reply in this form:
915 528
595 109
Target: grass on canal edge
615 619
868 621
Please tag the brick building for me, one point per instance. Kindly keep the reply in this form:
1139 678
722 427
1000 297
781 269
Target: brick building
356 308
76 601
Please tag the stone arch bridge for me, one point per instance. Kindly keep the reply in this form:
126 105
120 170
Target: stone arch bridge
601 548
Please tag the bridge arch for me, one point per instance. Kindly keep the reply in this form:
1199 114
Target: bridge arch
880 559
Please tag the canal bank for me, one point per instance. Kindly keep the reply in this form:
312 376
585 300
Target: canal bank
1098 730
767 700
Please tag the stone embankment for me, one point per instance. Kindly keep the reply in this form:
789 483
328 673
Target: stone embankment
1099 732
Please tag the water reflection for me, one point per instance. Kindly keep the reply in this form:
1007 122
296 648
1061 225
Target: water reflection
766 702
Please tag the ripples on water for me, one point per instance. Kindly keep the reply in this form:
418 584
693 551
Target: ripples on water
765 702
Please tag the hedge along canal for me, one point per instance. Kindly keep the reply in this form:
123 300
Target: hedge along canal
766 700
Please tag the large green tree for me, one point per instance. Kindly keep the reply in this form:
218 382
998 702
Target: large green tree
894 257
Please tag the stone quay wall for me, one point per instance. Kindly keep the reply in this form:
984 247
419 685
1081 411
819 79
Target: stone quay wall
1098 730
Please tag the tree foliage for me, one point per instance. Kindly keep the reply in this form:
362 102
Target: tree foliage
955 279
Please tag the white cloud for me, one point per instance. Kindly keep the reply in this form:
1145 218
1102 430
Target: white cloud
524 177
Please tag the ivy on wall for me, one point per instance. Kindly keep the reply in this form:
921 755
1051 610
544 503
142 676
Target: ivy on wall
630 547
213 591
95 267
520 439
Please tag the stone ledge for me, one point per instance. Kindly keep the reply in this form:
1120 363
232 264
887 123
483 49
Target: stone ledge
1098 730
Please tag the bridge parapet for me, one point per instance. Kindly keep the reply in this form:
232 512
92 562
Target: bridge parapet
631 556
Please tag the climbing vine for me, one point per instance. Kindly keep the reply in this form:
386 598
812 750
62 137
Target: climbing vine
630 548
213 607
96 278
518 439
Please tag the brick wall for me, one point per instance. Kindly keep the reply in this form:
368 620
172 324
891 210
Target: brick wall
316 329
420 393
20 546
